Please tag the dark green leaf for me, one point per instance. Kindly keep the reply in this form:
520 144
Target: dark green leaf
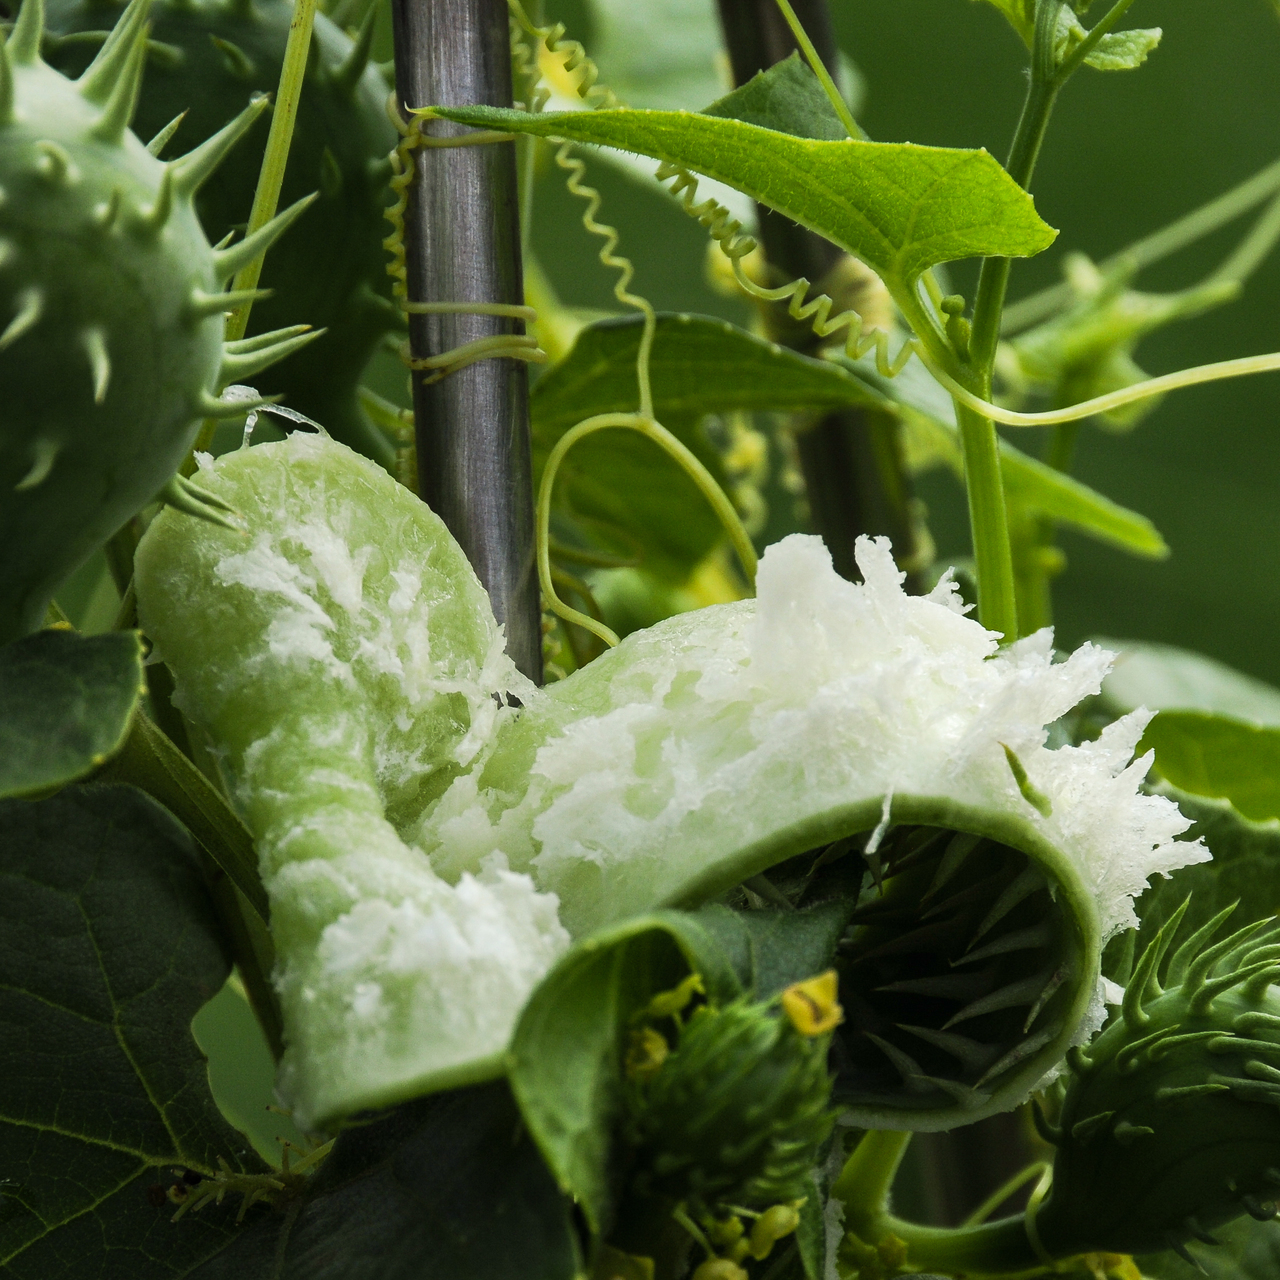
65 704
1211 755
899 207
449 1188
565 1063
152 763
787 98
1163 677
790 946
1245 869
108 947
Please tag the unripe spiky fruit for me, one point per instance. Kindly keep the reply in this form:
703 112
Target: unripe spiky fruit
736 1112
207 57
1171 1122
111 309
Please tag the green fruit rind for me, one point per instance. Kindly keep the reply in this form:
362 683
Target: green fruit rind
111 310
347 665
1171 1121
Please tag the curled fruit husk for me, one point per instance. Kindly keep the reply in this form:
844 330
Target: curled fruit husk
345 662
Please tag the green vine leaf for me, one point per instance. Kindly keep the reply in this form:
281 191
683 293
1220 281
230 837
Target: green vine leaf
448 1188
702 365
1212 755
901 208
698 365
786 98
1116 51
108 947
66 702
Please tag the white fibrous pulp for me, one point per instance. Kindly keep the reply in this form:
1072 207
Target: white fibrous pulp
710 746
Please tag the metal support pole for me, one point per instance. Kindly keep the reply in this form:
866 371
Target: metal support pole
462 232
844 456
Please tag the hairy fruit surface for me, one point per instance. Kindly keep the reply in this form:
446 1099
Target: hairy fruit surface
204 60
1171 1122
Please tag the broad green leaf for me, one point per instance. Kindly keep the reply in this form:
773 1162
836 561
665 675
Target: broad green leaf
565 1062
1163 677
448 1188
787 98
108 947
66 701
901 208
1211 755
702 365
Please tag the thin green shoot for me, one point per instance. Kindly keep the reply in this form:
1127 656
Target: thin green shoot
266 198
852 128
1154 248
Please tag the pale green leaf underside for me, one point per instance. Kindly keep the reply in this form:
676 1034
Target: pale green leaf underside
899 207
1211 755
1163 677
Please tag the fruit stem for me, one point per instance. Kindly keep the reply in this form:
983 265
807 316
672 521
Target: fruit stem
864 1186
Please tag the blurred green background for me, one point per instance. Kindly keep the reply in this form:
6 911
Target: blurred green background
1126 153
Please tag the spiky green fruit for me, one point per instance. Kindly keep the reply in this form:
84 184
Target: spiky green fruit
206 57
736 1113
111 309
1171 1121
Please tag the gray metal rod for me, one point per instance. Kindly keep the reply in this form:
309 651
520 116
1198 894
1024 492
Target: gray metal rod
462 233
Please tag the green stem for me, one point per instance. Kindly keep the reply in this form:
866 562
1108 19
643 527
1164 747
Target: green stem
864 1187
988 518
266 198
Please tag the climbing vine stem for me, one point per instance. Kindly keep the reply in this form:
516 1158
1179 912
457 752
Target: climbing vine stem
988 517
